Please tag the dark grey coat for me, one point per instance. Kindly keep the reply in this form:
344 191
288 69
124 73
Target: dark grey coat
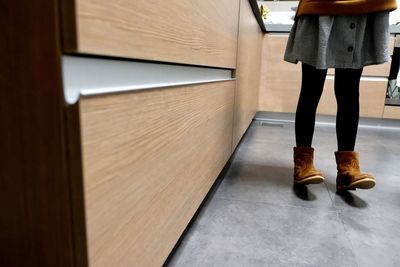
339 41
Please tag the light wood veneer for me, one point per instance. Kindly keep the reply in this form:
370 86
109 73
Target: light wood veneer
280 81
247 72
391 112
149 159
200 32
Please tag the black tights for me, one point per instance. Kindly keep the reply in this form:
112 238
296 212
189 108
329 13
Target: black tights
347 82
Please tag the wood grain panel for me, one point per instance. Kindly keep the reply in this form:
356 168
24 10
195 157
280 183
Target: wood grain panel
150 158
280 81
37 215
372 98
247 72
201 32
391 112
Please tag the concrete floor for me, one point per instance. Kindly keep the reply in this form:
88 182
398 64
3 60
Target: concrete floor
255 218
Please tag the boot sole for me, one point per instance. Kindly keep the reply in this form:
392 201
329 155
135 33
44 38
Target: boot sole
366 183
317 179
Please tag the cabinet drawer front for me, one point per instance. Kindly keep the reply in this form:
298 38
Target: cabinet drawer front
279 80
200 32
381 70
149 159
391 112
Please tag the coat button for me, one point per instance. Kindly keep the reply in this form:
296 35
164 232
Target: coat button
352 26
350 49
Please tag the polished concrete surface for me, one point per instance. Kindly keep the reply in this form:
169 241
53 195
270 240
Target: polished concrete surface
255 217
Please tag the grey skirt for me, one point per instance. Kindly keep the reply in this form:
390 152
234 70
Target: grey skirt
339 41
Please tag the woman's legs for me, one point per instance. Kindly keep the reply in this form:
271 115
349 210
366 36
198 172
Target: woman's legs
347 83
311 89
349 176
312 85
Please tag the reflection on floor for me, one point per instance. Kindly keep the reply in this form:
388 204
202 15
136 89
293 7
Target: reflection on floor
255 218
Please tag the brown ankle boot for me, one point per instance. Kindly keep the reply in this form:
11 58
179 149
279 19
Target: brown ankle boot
304 170
349 176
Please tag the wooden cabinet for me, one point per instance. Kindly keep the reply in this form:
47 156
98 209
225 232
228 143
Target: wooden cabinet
199 32
114 179
281 81
391 112
149 159
247 72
